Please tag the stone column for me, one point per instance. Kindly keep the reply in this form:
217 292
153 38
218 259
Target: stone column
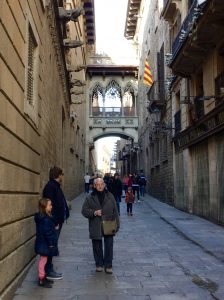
135 98
122 106
90 105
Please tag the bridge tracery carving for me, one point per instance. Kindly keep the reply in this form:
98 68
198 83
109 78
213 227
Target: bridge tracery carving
111 101
112 105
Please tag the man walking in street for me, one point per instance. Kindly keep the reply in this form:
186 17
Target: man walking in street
98 204
115 187
87 179
60 212
142 184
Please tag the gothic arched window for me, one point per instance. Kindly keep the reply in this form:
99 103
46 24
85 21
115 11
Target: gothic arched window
113 99
128 101
97 100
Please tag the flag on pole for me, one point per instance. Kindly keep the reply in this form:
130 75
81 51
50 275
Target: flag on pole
147 74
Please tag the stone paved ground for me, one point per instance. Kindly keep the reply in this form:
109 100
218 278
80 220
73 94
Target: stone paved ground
160 253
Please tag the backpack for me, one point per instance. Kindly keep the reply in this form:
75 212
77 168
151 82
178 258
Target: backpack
142 181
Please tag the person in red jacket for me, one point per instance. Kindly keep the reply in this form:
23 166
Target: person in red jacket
129 199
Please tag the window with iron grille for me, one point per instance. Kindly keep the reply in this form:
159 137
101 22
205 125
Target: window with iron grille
32 46
31 72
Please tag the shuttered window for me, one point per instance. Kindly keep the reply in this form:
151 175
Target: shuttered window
32 46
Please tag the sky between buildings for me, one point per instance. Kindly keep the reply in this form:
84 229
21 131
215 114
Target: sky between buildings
110 17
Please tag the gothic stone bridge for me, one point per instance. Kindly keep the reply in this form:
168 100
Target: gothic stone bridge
112 93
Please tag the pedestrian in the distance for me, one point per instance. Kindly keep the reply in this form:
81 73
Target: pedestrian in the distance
142 184
129 199
125 183
115 187
91 182
98 204
87 179
135 185
46 239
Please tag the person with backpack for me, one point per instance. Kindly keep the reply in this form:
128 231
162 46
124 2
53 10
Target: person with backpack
142 184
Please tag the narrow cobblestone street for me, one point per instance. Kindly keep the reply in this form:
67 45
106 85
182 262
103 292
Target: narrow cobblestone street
160 253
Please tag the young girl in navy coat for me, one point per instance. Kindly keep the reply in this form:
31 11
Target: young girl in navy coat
46 239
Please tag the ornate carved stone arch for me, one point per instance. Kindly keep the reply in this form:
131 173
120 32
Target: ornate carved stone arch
97 99
129 87
128 100
114 86
97 89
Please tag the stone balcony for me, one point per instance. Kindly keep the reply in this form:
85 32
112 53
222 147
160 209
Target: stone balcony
111 122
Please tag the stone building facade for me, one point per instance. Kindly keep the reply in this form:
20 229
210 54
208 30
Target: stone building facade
39 125
111 99
184 43
154 151
196 59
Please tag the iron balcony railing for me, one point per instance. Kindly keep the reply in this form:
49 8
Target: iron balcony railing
113 111
194 13
129 111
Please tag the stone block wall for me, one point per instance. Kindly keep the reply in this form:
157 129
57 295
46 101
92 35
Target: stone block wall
159 173
33 136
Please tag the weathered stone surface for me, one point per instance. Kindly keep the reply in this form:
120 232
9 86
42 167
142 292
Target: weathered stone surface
23 155
9 292
15 207
14 178
16 234
13 264
37 134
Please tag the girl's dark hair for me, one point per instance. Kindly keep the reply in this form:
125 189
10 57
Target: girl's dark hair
43 205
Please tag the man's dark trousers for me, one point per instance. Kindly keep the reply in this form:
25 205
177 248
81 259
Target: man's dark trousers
87 187
105 260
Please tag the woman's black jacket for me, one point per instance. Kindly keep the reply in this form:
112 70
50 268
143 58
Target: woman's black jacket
53 191
46 236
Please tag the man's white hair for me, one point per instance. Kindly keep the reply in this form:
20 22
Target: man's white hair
98 179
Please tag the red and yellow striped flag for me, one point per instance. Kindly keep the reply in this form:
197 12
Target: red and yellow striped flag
147 74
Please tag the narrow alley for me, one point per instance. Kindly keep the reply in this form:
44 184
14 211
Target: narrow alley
160 253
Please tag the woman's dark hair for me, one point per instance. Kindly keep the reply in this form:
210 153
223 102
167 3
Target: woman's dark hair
42 205
55 172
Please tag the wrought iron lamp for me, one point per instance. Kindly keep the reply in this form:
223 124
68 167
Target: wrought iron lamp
161 127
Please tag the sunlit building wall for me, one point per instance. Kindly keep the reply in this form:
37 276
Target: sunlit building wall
38 126
103 154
